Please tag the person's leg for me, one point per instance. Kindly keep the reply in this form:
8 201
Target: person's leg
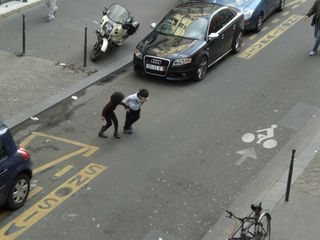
128 121
51 11
115 124
105 127
135 116
317 36
314 50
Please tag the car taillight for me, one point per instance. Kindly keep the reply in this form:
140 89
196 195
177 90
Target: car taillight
24 153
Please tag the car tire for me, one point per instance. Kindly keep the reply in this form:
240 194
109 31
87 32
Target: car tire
237 42
18 192
259 24
281 5
201 69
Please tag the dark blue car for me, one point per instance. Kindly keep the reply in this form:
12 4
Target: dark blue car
15 171
255 11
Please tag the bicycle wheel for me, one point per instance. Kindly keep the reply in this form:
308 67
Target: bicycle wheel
263 228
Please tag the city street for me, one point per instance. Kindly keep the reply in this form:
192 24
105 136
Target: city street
196 148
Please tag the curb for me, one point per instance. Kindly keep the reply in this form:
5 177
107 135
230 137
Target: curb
53 100
17 10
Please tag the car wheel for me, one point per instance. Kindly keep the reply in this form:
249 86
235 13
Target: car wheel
259 23
18 192
237 42
201 70
281 5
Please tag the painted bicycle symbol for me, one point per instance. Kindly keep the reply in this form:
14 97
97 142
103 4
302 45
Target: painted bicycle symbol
263 136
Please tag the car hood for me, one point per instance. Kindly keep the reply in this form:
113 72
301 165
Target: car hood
160 45
240 4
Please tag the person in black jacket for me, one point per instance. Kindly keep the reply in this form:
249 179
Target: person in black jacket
109 115
315 11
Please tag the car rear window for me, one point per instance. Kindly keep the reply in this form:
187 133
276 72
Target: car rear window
3 151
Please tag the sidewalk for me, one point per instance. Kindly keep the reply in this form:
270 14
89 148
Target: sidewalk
29 85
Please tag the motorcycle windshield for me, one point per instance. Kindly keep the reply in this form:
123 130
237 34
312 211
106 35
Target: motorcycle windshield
117 13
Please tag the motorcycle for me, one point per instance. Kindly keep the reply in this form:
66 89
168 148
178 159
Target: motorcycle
116 25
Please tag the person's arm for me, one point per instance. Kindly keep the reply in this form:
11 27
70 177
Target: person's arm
105 110
312 10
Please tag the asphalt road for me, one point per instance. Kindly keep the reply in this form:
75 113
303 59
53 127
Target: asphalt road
188 158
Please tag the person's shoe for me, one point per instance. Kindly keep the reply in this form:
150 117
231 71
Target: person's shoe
102 135
312 53
116 135
127 131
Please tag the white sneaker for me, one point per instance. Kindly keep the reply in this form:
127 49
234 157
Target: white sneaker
312 53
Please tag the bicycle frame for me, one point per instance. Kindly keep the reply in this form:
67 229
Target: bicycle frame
252 226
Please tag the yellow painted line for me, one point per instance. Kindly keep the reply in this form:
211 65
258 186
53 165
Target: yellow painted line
91 149
268 38
43 207
27 140
252 37
294 2
63 171
60 139
59 160
275 20
265 28
285 13
295 6
34 191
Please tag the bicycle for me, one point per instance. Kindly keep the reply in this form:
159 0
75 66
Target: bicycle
255 226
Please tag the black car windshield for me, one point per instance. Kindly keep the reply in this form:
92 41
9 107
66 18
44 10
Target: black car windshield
117 13
190 26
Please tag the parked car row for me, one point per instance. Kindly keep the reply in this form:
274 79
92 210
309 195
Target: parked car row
196 34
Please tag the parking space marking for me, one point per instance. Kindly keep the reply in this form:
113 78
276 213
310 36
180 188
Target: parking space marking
294 2
32 193
26 141
285 13
275 20
268 38
47 204
59 160
86 150
63 171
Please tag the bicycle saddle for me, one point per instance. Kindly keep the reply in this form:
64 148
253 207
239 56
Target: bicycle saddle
256 207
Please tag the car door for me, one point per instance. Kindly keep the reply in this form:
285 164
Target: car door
215 46
221 23
3 171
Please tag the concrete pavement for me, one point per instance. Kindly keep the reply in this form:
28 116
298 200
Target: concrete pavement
29 85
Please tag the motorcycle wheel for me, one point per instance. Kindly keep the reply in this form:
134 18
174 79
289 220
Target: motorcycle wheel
96 52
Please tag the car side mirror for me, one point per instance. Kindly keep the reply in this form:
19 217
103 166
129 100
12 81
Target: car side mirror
153 25
213 36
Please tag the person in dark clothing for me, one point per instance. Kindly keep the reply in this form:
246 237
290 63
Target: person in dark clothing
315 11
134 103
109 115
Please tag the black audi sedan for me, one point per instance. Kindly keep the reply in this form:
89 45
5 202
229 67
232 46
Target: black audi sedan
189 39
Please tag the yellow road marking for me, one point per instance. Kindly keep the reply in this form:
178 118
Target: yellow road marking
252 37
27 140
265 28
268 38
285 13
275 20
43 207
294 2
295 6
34 191
63 171
59 160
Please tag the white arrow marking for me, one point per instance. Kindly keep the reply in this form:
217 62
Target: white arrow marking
246 153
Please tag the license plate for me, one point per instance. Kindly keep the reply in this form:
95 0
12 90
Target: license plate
154 67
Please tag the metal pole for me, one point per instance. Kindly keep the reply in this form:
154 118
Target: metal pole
85 48
290 175
23 35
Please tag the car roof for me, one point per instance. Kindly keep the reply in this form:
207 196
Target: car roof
198 8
